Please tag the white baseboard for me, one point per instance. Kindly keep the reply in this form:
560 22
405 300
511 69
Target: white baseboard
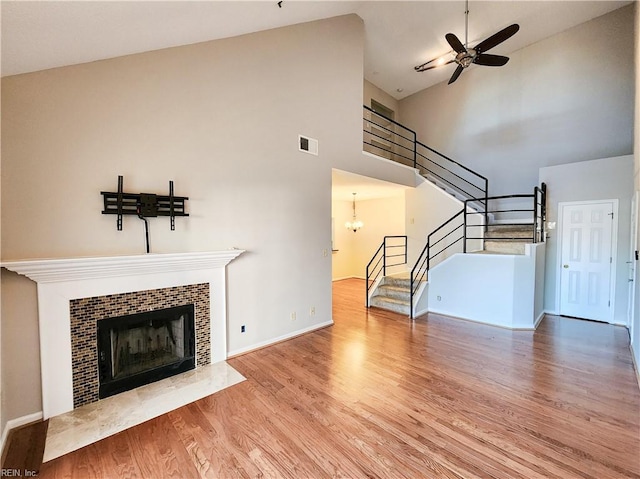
420 313
271 342
17 422
635 364
344 277
536 323
486 323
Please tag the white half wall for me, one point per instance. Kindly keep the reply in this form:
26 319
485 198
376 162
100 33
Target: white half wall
427 208
501 290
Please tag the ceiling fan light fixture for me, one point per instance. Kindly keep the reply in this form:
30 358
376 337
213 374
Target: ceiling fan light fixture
465 56
465 59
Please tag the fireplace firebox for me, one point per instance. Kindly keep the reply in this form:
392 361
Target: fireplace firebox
141 348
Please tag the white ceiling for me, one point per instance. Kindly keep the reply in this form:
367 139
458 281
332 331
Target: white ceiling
344 184
38 35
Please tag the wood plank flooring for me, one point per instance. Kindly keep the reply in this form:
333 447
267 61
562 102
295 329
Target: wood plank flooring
377 395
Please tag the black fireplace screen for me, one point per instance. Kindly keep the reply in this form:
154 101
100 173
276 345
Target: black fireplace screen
142 348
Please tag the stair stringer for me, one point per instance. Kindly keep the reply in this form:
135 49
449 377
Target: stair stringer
503 290
374 288
421 300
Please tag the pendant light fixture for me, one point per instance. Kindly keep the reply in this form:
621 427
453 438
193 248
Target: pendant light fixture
354 224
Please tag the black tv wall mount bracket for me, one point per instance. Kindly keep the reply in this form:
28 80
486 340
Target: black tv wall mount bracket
143 205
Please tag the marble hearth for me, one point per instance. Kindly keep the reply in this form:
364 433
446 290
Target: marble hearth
62 280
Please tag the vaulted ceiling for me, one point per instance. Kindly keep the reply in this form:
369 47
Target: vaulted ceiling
38 35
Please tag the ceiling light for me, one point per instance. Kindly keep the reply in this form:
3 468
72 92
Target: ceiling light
354 224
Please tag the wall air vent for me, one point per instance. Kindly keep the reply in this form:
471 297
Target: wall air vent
308 145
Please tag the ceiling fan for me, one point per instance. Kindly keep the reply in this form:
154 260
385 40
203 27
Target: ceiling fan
465 56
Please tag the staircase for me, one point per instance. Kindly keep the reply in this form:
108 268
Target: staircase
498 225
393 294
507 238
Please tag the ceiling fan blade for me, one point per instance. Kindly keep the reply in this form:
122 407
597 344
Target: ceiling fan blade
490 60
456 74
455 43
497 38
424 67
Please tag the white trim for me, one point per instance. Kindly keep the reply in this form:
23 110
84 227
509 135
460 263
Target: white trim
17 422
501 326
635 364
391 162
279 339
416 314
343 278
72 269
536 323
614 252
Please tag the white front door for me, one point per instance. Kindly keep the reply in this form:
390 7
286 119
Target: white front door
587 260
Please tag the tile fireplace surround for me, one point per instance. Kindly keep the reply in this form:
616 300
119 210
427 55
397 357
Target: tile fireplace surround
62 280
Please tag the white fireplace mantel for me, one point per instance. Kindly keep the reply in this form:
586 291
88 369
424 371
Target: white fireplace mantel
61 280
69 269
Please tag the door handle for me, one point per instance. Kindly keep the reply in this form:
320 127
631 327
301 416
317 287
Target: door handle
565 266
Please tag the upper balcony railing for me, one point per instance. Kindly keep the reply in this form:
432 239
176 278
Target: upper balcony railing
389 139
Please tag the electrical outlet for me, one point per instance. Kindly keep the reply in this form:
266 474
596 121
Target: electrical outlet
325 252
293 316
242 329
312 311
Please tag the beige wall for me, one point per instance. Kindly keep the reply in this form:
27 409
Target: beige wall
428 207
344 241
20 358
373 92
564 99
381 217
222 120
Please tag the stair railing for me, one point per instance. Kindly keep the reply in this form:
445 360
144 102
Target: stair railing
457 179
540 215
438 245
509 210
392 252
389 139
443 239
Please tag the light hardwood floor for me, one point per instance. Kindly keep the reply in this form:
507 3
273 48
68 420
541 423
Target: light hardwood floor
377 395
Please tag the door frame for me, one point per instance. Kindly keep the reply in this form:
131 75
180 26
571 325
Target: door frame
633 247
614 251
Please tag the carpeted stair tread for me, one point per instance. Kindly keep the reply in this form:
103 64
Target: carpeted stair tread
391 304
391 291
